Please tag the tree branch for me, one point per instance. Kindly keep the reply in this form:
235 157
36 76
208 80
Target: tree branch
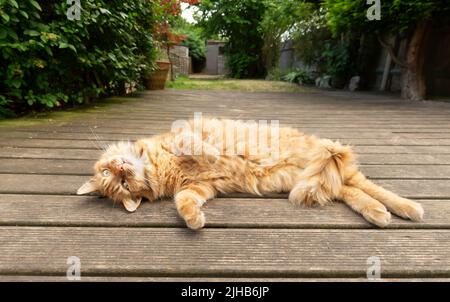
391 52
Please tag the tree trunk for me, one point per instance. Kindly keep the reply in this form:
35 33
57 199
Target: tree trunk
413 82
172 76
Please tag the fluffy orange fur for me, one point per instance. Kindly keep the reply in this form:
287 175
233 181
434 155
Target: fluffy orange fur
314 171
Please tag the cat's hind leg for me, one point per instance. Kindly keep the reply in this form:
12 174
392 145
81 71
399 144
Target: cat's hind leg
372 210
189 201
398 205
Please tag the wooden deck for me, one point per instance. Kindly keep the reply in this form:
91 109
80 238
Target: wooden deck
403 146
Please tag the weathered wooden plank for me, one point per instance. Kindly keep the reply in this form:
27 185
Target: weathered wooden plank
405 171
224 252
418 150
46 166
9 152
50 210
401 159
71 136
331 133
392 144
130 127
164 119
383 156
114 131
85 167
68 184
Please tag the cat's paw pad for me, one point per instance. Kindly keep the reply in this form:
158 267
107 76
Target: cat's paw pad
196 222
378 216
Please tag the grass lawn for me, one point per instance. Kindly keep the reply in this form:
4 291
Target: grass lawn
234 84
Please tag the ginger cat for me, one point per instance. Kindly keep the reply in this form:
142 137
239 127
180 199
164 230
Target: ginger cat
194 166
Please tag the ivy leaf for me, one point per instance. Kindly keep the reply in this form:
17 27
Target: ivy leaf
16 83
12 34
32 33
14 3
49 51
23 13
5 17
63 45
36 5
112 57
67 45
105 11
73 48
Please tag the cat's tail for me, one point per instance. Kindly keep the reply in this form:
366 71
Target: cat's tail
323 176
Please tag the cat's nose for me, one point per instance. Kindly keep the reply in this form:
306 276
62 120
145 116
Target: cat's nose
118 168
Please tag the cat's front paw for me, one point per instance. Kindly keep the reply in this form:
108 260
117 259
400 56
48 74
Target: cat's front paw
196 222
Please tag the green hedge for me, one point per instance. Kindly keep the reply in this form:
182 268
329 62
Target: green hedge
48 60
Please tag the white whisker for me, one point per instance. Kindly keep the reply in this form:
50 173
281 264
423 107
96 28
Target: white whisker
101 146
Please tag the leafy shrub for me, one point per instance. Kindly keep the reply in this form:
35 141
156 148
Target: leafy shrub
278 23
298 76
236 21
48 60
337 60
275 74
315 44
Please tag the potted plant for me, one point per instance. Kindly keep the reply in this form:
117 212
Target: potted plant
156 77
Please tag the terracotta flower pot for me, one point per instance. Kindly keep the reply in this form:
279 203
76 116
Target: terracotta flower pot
157 79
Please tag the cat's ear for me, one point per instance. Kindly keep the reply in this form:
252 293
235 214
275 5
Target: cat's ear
132 204
88 187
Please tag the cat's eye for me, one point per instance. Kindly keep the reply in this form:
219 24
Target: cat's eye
106 173
125 184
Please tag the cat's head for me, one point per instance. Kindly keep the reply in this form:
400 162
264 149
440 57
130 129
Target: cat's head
119 174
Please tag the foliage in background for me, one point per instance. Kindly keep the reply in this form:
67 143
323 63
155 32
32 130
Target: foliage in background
236 21
195 41
338 60
48 60
410 20
167 14
309 35
348 23
278 24
299 76
304 23
293 75
396 15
